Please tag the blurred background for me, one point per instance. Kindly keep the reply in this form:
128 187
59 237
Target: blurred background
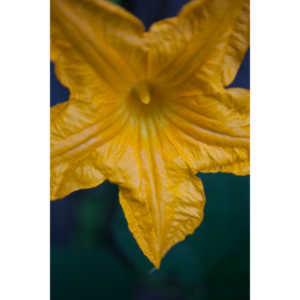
94 256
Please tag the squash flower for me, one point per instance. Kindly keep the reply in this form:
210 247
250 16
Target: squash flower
149 110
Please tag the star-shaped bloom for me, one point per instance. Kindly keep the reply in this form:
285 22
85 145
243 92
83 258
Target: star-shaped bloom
149 110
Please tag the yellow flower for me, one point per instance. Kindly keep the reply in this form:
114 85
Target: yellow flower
148 110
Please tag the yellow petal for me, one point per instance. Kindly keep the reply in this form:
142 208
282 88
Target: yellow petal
77 129
161 198
237 45
209 37
95 46
211 131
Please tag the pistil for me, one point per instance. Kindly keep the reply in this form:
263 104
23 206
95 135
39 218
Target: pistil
142 91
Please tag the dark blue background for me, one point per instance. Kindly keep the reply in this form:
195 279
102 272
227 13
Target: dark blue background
94 256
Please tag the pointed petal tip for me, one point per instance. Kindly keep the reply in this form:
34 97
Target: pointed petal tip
156 264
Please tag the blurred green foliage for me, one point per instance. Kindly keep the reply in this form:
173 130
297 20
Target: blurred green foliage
104 262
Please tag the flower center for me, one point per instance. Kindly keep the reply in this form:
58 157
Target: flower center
142 91
146 98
